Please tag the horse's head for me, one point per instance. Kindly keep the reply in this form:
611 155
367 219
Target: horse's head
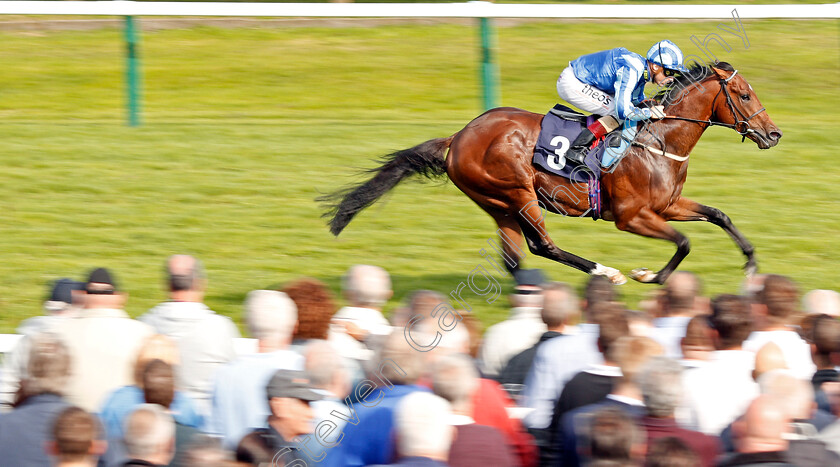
736 104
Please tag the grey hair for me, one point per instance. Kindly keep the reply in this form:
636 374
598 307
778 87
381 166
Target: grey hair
322 364
423 425
147 430
48 369
367 285
455 378
560 304
661 384
270 314
409 362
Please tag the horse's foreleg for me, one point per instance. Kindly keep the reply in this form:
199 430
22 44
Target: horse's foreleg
531 222
688 210
649 224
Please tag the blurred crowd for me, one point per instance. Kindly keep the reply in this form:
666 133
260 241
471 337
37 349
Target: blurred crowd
571 377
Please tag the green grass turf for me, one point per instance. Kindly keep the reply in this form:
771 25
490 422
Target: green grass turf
243 128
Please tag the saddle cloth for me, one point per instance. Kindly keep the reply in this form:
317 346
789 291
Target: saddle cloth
560 127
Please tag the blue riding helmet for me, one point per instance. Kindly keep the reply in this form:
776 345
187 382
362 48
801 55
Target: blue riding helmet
667 55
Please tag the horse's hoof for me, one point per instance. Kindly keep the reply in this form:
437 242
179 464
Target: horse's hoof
614 275
643 275
751 268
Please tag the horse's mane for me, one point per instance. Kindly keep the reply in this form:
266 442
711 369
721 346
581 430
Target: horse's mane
697 73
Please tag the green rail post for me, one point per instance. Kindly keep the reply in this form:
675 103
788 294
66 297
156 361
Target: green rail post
132 72
489 71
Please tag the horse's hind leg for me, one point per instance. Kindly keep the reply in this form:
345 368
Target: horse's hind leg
530 218
510 237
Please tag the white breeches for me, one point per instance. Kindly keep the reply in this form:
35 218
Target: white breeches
584 96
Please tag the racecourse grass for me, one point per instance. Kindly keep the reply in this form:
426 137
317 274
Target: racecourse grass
243 128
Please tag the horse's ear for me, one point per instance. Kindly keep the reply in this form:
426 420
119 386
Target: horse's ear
722 74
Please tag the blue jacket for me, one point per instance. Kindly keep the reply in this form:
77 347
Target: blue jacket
371 439
618 72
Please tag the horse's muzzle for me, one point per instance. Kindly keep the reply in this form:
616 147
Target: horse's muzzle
766 140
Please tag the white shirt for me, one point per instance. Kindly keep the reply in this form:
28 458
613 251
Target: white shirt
205 343
103 346
669 332
796 351
504 340
368 319
718 392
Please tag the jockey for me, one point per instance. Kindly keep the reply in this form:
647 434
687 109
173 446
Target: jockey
611 83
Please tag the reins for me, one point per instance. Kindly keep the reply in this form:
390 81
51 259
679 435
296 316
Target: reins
737 115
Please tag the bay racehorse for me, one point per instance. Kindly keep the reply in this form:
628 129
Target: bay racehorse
490 161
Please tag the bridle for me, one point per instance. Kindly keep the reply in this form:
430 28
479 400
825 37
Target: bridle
737 115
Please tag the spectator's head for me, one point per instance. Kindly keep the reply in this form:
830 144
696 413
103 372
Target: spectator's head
731 321
661 384
768 358
63 297
818 302
149 434
205 451
671 452
560 306
101 291
49 367
399 363
367 286
455 379
612 326
423 426
825 341
528 292
779 299
456 340
697 342
77 438
185 278
289 394
155 347
681 292
324 368
632 352
598 290
795 396
614 437
159 383
271 317
315 308
762 428
422 303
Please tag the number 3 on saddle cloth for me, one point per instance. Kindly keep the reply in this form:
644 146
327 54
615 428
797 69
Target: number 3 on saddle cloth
560 127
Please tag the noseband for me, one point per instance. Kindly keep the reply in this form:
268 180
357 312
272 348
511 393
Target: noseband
737 115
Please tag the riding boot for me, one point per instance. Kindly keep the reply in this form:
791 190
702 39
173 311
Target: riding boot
577 151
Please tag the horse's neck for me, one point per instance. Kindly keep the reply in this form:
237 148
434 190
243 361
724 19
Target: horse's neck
679 135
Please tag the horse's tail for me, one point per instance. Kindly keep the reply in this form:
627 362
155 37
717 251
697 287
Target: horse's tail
427 159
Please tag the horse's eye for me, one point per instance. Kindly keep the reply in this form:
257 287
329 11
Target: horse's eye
745 97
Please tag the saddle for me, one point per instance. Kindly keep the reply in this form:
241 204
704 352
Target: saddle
560 127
